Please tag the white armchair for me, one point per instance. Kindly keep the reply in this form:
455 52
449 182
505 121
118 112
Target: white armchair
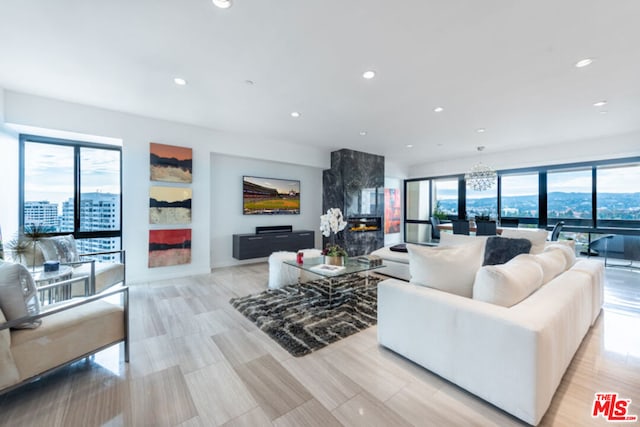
34 342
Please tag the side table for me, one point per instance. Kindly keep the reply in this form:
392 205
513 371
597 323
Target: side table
55 294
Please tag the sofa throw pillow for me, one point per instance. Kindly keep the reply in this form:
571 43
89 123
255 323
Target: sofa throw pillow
499 250
402 247
450 239
18 294
59 248
447 268
537 237
507 284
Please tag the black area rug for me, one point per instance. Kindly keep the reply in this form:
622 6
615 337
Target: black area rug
302 320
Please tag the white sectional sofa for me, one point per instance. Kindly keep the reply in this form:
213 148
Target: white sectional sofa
512 356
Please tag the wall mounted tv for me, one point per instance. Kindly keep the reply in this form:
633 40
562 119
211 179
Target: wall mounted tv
270 196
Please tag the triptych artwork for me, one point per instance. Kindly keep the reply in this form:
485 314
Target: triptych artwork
170 204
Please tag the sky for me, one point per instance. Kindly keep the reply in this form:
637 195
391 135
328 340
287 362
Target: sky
610 180
49 172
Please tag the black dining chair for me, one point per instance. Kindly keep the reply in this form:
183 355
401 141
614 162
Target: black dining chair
509 222
460 226
555 233
486 228
435 231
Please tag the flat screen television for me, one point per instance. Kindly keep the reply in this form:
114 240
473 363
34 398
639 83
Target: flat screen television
270 196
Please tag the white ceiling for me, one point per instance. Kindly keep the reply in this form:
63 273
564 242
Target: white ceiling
503 65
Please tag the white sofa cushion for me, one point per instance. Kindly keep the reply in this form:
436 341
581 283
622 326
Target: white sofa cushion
450 239
568 252
537 237
508 284
552 262
447 268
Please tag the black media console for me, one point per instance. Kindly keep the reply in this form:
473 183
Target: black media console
247 246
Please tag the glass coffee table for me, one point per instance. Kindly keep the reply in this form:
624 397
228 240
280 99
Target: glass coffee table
330 275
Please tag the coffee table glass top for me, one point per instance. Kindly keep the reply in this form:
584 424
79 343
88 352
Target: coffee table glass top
351 266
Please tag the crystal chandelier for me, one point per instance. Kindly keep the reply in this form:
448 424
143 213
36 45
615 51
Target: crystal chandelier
481 177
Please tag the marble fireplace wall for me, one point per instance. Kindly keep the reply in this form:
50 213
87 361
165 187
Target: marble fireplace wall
355 184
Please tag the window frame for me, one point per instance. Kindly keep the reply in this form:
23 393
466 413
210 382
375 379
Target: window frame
593 225
77 146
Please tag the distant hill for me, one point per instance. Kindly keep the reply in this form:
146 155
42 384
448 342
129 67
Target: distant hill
560 204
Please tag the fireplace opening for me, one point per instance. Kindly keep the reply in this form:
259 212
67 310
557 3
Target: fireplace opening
364 224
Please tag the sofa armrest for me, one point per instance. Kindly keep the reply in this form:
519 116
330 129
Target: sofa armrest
116 251
64 306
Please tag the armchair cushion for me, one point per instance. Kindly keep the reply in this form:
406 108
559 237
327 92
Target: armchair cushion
67 335
59 248
107 275
18 294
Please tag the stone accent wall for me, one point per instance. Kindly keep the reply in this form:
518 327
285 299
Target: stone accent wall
355 184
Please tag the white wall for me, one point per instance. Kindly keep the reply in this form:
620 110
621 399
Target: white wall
614 147
226 202
136 133
9 177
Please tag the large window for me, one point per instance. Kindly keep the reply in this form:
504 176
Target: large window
519 195
72 187
569 195
618 190
482 203
600 197
445 196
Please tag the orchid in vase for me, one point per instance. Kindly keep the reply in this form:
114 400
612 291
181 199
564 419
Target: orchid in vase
330 224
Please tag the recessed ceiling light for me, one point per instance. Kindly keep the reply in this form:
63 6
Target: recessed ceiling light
600 103
438 109
409 145
363 133
295 114
369 74
222 4
180 81
481 130
584 62
604 112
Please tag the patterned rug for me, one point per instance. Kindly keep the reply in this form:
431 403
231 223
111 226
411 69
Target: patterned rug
301 319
